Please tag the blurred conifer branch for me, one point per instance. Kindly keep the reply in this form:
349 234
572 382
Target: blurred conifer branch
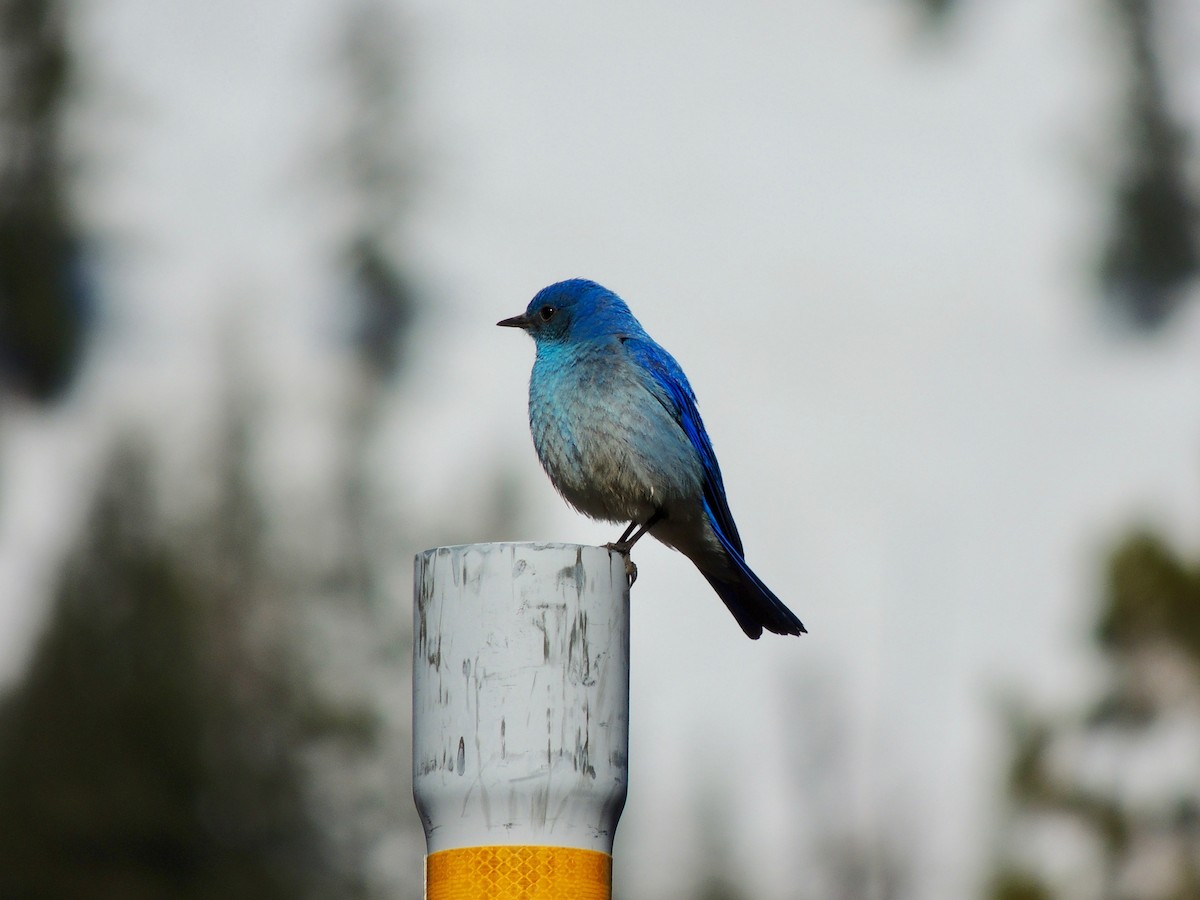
45 298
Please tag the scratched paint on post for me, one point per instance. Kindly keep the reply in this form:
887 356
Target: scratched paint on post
502 631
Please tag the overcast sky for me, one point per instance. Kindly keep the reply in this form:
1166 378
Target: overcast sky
868 252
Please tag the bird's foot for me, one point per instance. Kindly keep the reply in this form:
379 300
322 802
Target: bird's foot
622 547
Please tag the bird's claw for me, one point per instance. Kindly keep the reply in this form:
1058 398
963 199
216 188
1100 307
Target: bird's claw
631 571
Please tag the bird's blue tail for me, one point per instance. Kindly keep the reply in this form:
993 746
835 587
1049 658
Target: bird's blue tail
752 603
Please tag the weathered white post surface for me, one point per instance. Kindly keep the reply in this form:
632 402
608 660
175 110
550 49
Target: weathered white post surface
520 718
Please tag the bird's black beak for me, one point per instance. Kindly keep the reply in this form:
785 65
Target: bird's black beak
521 321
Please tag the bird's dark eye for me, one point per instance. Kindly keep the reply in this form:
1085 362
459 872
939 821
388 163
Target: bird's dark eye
546 313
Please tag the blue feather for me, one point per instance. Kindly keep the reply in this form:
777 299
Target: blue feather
677 396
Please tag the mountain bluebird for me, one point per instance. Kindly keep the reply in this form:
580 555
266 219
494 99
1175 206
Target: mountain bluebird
616 428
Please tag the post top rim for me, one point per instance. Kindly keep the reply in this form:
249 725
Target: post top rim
533 546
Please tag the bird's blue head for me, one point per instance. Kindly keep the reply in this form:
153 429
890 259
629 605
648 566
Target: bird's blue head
575 311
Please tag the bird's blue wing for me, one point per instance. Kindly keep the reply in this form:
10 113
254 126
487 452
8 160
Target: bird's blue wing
670 387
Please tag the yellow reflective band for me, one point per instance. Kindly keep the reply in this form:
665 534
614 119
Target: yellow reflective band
518 873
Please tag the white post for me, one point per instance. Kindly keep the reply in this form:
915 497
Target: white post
520 718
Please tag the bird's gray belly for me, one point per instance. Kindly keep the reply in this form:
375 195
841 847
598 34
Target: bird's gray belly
612 460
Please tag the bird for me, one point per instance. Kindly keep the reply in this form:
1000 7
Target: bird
615 425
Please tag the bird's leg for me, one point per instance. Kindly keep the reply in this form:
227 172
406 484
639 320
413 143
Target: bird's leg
624 537
625 543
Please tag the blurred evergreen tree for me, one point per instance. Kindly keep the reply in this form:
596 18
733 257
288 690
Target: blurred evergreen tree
371 803
717 872
44 294
937 12
371 171
154 747
1083 777
1151 252
1071 781
368 165
212 710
